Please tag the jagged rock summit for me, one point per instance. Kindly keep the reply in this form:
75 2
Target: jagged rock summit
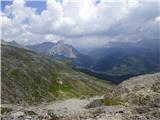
64 50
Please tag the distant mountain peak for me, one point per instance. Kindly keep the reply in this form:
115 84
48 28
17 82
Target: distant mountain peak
62 49
60 42
13 43
56 49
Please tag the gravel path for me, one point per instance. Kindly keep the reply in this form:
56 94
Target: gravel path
73 109
71 106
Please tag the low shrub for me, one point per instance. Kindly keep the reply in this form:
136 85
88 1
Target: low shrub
112 101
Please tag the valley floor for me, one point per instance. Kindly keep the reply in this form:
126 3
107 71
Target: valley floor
73 109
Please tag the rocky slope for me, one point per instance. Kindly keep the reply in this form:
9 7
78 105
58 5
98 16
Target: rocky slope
30 78
143 90
141 94
135 99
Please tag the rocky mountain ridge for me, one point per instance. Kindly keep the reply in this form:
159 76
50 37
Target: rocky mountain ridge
62 51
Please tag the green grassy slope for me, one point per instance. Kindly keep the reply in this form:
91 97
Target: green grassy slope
30 78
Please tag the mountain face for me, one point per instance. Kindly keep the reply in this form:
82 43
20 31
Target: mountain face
129 62
61 51
130 59
145 44
64 50
31 78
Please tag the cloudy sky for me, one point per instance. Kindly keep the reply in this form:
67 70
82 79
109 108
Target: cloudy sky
79 22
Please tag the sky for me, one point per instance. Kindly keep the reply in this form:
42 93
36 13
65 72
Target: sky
87 23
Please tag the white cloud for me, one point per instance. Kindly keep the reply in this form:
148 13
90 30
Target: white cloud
157 19
141 22
83 20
